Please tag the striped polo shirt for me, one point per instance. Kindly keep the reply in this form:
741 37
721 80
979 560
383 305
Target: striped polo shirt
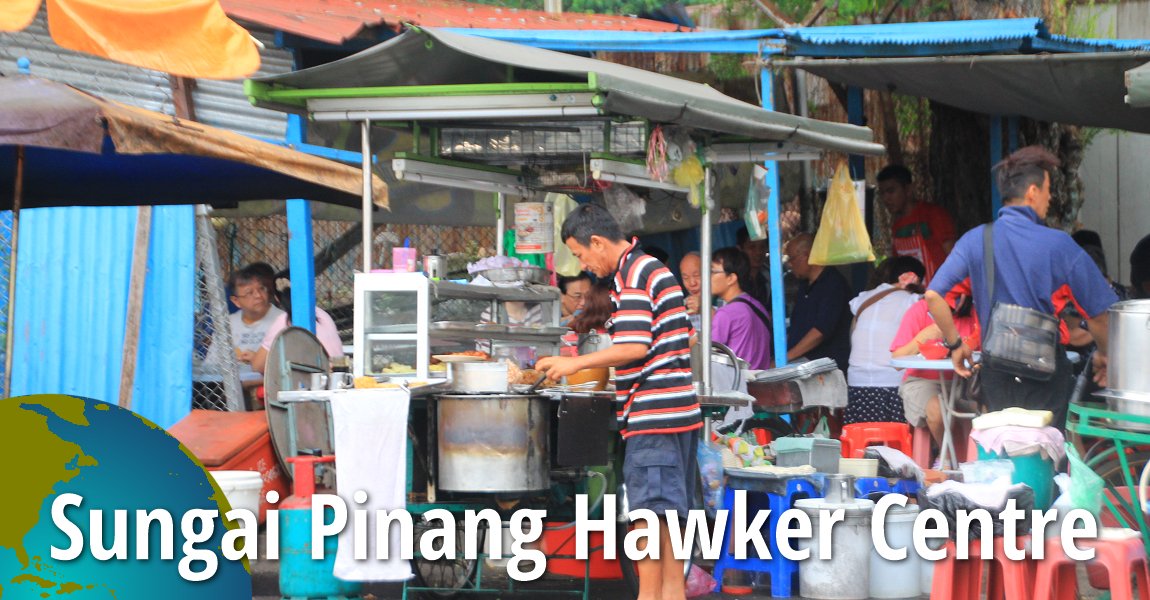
655 392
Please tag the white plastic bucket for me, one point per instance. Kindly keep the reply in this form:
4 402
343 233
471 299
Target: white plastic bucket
241 488
897 579
846 575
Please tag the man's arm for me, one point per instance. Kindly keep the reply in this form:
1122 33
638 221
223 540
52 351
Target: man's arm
1099 327
617 355
810 341
940 311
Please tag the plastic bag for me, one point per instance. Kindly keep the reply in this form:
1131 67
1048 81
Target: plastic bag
699 582
565 263
842 237
822 429
755 209
626 207
1085 485
710 459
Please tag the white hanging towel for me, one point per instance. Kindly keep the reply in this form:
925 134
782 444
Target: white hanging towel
371 455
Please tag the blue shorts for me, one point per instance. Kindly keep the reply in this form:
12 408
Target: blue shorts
658 469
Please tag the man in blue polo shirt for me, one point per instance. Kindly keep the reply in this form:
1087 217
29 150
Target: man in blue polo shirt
1032 261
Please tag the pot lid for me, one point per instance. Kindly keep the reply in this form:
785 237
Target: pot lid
1131 306
859 505
294 355
799 371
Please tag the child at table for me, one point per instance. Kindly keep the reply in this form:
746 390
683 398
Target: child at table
920 389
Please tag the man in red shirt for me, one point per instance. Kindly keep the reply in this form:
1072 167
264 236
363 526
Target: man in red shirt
918 229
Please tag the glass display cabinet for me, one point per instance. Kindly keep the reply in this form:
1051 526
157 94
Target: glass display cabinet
402 319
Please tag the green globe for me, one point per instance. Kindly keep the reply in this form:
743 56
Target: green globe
113 459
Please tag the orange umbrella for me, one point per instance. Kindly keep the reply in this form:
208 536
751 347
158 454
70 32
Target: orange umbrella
189 38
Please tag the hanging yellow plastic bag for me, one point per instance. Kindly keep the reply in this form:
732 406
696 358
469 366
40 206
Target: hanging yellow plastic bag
842 237
565 263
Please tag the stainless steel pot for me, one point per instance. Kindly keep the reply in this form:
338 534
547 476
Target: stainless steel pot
478 377
1129 346
593 342
494 443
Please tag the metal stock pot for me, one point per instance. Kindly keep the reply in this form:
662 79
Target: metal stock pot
494 442
1129 346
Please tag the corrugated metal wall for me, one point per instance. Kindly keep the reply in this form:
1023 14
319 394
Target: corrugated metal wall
1113 167
71 301
73 263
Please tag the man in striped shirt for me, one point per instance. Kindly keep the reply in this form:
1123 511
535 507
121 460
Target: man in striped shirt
659 415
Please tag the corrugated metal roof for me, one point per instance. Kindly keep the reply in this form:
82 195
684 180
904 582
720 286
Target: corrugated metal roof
337 21
751 41
942 38
71 299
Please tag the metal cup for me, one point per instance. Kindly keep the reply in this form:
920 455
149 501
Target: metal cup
339 381
319 381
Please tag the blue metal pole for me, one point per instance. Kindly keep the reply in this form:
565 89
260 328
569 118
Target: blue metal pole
774 240
855 116
1012 133
301 253
995 157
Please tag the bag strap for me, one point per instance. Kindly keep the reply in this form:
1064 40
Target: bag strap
871 301
988 258
759 313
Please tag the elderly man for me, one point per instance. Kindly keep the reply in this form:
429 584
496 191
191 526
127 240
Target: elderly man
574 289
660 415
251 322
691 274
821 320
1032 262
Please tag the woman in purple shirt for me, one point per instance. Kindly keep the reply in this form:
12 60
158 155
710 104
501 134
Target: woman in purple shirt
742 323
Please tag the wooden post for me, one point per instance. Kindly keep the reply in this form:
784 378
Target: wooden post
136 287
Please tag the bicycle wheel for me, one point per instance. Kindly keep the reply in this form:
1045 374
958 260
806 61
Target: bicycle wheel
449 576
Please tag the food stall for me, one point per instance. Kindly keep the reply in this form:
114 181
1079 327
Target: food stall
516 121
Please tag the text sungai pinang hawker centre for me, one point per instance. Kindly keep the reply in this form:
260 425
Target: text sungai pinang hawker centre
525 526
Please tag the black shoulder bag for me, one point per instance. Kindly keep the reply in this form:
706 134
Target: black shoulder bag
1018 340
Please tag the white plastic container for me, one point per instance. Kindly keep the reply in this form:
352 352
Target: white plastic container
241 488
897 579
846 576
859 467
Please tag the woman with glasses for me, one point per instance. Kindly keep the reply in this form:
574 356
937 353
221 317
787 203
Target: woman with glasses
742 324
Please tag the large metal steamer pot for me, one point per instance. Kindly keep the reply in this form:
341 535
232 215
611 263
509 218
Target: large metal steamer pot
493 443
1128 377
1129 346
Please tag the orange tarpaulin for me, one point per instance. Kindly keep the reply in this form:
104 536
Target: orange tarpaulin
190 38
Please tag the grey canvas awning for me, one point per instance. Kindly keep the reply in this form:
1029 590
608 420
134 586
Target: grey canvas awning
1079 89
1138 87
430 57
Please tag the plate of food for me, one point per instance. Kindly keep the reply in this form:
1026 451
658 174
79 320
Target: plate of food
460 357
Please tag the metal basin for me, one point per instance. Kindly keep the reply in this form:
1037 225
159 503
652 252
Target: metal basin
494 443
1131 403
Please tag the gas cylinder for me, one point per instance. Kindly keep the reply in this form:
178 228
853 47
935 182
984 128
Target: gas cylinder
300 575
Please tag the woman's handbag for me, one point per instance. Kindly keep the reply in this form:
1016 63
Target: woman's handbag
1020 341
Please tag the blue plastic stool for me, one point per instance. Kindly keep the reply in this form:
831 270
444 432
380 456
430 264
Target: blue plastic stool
870 485
780 570
907 487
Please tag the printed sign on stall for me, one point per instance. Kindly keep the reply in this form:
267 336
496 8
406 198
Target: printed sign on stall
534 228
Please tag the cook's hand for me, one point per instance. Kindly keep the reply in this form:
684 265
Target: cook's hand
1100 363
557 367
692 305
962 359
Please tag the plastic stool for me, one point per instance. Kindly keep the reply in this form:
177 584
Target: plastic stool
962 579
780 569
1056 577
870 485
857 436
921 447
907 487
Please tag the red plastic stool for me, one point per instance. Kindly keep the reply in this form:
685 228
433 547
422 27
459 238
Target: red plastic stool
1056 577
962 579
857 436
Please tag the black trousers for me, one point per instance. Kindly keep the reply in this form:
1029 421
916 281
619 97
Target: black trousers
1002 390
